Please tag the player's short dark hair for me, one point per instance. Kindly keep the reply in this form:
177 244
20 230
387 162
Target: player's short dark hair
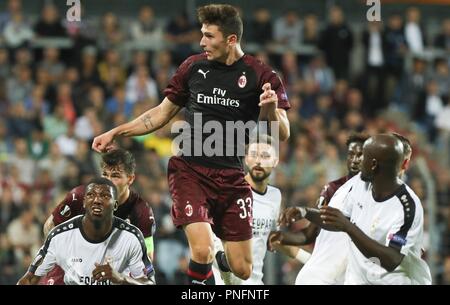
356 138
407 148
225 16
104 181
117 157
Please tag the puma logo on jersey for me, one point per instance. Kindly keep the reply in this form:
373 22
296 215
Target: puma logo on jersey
203 73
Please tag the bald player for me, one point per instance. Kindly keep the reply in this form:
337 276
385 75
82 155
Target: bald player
383 218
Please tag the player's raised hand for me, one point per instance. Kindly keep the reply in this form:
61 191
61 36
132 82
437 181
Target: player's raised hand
333 219
268 97
274 240
289 216
103 142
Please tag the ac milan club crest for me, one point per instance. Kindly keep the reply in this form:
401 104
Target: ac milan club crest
188 210
242 81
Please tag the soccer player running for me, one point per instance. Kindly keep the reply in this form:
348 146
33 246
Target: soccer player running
219 86
119 166
383 218
326 265
95 248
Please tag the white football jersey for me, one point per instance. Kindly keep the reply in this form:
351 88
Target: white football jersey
395 222
328 261
266 209
68 247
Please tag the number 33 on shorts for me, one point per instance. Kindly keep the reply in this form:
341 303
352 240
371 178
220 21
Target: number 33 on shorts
246 206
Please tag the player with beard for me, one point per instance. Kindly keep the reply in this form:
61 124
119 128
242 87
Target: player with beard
260 160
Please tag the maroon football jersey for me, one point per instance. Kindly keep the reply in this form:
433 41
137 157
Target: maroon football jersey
135 209
224 94
331 188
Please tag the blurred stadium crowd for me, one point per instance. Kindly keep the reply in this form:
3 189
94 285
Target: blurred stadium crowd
63 83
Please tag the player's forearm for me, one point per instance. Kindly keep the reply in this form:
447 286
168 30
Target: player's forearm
313 215
29 279
290 251
389 258
278 116
127 280
293 239
147 122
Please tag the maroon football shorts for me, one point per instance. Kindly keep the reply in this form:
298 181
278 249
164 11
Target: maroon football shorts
53 277
220 197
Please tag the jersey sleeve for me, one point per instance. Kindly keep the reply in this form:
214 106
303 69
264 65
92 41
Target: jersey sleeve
348 202
270 76
324 197
177 90
406 230
139 263
275 226
144 219
70 206
45 260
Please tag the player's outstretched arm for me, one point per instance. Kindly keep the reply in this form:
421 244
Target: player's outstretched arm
389 257
29 279
268 101
147 122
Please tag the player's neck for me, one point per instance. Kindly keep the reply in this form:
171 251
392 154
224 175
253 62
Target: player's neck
124 196
234 55
96 232
259 187
384 187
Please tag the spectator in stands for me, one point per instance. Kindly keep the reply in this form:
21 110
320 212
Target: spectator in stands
373 78
395 48
24 234
52 63
17 31
140 86
442 40
311 30
14 7
429 106
147 29
49 25
288 30
110 34
19 87
337 43
414 34
5 66
118 103
260 29
412 85
441 75
182 34
318 72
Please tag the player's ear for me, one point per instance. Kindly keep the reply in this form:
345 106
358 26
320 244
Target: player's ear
131 179
232 39
374 165
116 205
